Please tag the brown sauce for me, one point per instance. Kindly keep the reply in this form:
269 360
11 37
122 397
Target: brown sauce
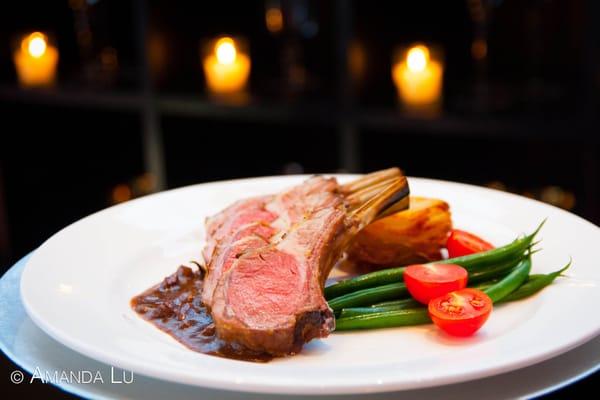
175 307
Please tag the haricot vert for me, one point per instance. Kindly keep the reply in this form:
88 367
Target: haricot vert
472 263
510 282
396 291
400 314
392 305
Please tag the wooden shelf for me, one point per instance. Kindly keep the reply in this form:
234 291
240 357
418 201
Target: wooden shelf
380 119
252 111
73 98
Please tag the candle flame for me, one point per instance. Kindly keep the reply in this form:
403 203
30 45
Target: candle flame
225 50
35 44
417 58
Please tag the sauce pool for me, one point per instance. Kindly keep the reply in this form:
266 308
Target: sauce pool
175 306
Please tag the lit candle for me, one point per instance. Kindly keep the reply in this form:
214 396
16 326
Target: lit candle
36 60
226 68
418 79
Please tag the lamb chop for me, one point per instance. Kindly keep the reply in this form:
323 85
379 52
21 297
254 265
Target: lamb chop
268 257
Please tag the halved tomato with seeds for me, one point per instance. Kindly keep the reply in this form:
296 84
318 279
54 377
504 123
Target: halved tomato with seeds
462 312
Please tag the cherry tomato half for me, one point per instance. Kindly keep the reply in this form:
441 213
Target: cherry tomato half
461 243
461 313
428 281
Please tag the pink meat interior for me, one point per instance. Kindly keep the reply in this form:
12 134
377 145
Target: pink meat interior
267 260
266 288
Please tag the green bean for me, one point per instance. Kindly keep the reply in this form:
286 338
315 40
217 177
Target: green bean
396 302
403 315
510 282
484 285
394 305
384 319
354 311
493 272
369 296
396 291
372 279
472 262
534 284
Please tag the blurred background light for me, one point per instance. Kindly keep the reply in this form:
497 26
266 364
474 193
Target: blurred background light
35 61
226 66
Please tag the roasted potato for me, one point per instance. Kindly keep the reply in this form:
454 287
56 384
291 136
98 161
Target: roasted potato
411 236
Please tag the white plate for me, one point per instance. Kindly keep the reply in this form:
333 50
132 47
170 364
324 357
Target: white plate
33 350
78 284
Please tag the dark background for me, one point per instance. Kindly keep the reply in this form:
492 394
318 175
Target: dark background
522 118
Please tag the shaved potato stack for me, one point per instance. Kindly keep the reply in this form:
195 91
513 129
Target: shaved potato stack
411 236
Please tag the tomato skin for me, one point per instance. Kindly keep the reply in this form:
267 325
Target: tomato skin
428 281
461 313
462 243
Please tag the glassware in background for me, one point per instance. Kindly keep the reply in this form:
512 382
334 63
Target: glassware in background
357 62
274 17
158 55
294 22
480 12
417 72
99 58
35 58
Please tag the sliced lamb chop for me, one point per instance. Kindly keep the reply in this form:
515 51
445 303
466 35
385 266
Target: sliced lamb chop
268 258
